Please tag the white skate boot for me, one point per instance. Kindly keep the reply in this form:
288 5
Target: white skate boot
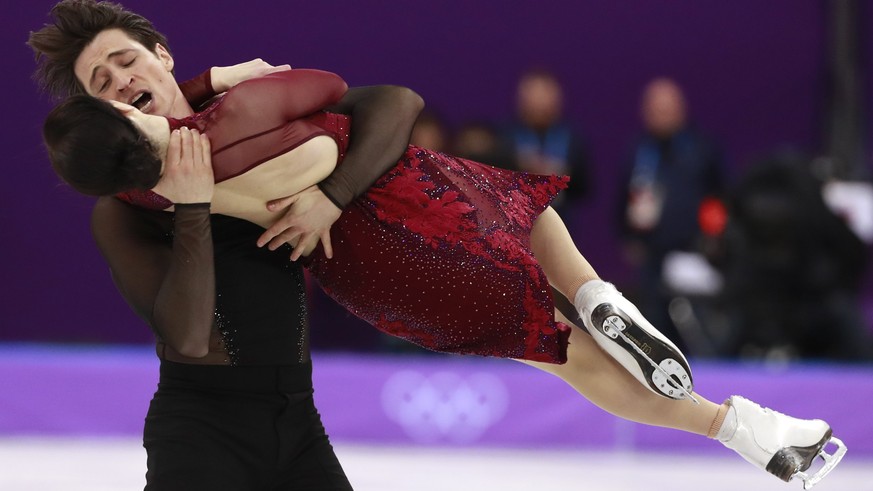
619 329
783 446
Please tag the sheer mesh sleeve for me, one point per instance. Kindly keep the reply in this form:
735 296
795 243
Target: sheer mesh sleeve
163 265
199 89
382 121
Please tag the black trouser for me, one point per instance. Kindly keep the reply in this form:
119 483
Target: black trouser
238 428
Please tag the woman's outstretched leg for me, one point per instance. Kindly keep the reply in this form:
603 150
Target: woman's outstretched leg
603 381
779 444
613 321
565 267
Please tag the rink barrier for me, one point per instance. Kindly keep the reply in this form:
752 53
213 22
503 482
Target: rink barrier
423 400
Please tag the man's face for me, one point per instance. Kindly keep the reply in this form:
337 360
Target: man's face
115 67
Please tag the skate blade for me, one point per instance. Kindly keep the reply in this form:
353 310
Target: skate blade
830 461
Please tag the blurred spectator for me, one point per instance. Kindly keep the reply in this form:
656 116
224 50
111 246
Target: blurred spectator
430 132
481 143
673 170
543 143
793 267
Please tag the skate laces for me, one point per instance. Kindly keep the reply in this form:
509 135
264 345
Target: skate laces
764 409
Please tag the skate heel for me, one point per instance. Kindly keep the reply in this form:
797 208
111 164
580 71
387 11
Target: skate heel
788 461
660 365
830 460
783 446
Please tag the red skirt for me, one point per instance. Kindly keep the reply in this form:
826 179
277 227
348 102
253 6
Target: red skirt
437 252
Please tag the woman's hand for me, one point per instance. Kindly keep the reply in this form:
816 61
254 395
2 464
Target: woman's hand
307 221
187 173
225 77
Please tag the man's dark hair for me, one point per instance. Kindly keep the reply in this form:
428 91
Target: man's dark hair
97 150
76 23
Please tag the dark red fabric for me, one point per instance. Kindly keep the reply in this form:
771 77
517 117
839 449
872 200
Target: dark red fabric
438 253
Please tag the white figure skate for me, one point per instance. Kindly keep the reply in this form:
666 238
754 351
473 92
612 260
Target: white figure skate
783 446
620 329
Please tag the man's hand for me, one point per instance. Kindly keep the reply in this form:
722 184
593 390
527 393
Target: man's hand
307 220
225 77
187 173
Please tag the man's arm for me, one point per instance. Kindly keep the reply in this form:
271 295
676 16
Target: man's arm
382 120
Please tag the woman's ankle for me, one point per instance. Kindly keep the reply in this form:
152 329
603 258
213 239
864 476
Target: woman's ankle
725 423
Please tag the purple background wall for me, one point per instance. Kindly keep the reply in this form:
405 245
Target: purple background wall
752 71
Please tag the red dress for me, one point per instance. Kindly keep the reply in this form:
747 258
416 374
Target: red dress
436 252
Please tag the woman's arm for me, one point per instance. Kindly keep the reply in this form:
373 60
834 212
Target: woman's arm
168 282
170 285
216 80
285 96
382 120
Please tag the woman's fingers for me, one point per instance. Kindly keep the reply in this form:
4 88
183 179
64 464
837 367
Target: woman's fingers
189 148
193 149
196 150
206 149
174 149
187 177
185 153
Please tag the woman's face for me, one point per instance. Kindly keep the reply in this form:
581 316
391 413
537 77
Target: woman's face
156 129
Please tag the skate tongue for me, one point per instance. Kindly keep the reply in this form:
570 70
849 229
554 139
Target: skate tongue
830 461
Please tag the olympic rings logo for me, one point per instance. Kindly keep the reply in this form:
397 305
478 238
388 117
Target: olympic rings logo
444 406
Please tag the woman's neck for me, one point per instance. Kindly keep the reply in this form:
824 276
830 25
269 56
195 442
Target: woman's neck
159 136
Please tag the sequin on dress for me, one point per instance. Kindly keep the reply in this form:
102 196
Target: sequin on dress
436 252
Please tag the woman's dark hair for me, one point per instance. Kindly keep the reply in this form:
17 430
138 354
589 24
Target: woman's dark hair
97 150
57 46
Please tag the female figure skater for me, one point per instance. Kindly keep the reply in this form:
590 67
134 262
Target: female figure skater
422 232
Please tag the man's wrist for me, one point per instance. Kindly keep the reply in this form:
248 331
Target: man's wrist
322 187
